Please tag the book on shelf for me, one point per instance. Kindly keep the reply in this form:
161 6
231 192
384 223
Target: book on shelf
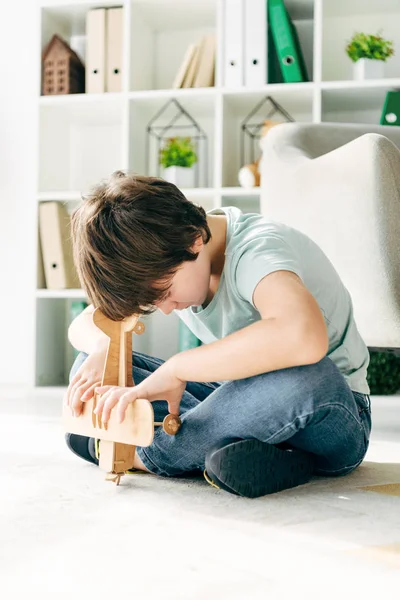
198 65
191 71
206 64
184 67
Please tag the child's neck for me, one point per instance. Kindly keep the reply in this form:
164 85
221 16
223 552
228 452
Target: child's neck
217 245
216 252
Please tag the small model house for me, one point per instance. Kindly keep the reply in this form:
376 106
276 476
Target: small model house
62 70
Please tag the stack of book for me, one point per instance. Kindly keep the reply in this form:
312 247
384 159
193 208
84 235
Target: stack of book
198 65
261 44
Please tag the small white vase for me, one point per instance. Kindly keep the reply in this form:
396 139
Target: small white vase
182 177
367 68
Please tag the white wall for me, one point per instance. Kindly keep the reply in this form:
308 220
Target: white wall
19 64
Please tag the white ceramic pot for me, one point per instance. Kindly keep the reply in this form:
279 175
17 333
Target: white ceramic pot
182 177
367 68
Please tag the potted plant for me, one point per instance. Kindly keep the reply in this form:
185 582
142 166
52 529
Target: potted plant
178 157
369 53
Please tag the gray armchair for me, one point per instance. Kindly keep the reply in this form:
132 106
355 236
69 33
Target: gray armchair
340 184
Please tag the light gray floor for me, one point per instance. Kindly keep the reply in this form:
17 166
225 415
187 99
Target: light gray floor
67 533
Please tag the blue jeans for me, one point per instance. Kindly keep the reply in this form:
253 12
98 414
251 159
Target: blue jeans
309 407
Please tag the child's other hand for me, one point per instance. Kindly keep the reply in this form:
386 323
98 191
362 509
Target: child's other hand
162 384
86 379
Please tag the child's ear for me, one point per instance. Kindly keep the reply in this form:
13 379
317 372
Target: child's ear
198 244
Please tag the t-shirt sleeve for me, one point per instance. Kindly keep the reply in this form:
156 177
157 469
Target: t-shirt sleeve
261 257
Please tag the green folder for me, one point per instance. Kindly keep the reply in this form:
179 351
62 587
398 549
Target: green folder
274 70
286 41
391 110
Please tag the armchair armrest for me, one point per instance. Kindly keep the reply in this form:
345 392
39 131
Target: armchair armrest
347 199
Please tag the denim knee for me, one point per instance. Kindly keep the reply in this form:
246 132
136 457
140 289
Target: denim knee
80 359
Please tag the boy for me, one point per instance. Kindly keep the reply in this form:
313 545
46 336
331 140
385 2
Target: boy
278 391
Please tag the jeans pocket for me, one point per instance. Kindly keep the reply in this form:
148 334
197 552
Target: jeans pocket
363 402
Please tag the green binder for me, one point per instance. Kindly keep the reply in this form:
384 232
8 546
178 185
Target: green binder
187 339
287 45
274 69
391 110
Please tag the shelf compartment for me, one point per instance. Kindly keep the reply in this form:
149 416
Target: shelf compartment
54 353
165 29
69 22
142 110
341 19
80 142
354 104
299 104
344 8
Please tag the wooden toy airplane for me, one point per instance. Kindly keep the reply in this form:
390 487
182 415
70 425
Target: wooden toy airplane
118 441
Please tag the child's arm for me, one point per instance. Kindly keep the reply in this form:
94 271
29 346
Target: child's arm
83 333
291 332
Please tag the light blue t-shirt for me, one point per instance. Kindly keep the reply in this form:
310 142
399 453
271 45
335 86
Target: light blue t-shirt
256 247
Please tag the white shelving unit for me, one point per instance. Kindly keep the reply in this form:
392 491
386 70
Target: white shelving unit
84 137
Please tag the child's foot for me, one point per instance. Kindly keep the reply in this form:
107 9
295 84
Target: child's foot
82 446
252 468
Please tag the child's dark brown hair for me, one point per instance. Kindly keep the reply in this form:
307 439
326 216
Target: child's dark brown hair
130 235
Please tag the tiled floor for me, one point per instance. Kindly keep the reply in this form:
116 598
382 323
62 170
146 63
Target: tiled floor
66 533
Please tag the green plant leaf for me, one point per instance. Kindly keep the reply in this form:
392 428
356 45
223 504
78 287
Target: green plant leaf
178 152
370 46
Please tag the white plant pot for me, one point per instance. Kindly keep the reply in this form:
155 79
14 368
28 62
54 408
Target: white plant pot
182 177
367 68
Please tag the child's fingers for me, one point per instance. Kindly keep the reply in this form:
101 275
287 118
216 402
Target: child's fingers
110 400
102 389
88 395
100 402
123 403
77 399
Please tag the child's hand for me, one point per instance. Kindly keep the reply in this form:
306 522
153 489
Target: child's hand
86 379
162 384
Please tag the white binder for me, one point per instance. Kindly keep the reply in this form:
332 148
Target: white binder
114 37
95 50
255 38
233 43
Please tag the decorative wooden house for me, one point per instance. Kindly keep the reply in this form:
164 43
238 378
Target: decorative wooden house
62 70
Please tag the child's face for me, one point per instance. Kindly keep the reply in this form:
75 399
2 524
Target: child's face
190 283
